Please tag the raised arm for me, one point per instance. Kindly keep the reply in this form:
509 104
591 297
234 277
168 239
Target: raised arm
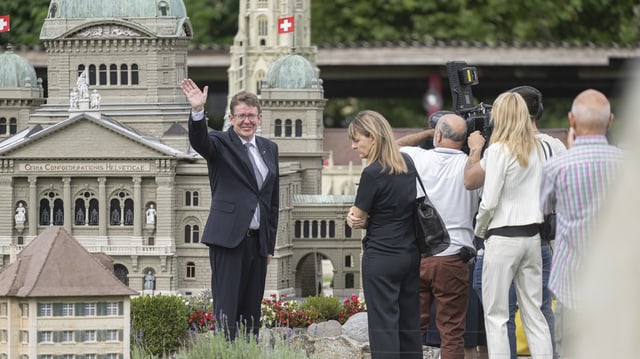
415 139
195 96
473 172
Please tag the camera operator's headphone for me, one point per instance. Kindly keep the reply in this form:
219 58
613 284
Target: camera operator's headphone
528 91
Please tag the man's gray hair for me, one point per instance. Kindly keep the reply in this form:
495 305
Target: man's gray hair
449 133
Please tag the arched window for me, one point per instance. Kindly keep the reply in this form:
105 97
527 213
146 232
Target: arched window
163 8
347 230
297 229
51 209
332 229
92 74
298 128
278 128
80 69
124 74
13 126
287 128
191 270
305 229
134 74
86 209
323 229
103 74
58 212
113 74
3 126
121 209
45 212
263 26
314 229
191 233
191 198
122 273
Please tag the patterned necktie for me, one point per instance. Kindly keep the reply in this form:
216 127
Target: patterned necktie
256 170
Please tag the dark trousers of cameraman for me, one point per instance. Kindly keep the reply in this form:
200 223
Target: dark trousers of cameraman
444 280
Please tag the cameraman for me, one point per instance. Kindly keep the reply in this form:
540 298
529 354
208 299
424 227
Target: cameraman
445 277
550 146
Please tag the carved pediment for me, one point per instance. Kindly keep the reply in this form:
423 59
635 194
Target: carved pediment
107 30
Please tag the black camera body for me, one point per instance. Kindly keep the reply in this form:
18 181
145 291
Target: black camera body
478 117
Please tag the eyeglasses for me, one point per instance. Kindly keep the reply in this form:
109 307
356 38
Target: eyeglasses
246 116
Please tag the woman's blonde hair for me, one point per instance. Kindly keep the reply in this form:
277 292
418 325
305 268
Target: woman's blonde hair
384 148
512 126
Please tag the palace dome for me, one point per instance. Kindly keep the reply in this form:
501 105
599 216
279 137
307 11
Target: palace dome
16 71
90 9
291 71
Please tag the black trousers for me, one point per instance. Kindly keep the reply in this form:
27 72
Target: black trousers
237 282
391 289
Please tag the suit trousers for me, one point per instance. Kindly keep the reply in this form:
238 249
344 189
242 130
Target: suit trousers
390 283
445 281
237 282
517 260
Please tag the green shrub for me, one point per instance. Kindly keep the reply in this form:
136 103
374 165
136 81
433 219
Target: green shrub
328 308
159 323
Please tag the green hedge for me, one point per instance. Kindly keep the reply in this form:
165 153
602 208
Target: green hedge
159 323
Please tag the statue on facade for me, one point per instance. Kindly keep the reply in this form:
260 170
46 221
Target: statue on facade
151 215
115 216
80 216
149 280
128 217
73 98
95 100
82 84
44 217
20 214
93 219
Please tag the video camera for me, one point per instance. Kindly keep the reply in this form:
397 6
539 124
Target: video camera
477 117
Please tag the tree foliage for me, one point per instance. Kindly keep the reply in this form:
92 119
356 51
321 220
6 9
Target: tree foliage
26 21
490 21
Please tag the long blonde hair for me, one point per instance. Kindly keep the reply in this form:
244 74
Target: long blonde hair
512 126
384 148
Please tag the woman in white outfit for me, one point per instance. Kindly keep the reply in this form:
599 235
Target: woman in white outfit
508 219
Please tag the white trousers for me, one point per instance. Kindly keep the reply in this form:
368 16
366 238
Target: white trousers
516 259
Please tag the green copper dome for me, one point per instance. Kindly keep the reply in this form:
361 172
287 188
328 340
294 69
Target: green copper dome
16 71
291 72
87 9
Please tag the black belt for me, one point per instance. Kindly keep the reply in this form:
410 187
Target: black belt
252 232
527 230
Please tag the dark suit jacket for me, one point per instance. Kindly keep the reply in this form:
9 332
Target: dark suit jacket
234 190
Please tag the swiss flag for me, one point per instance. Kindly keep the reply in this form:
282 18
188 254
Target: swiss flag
285 24
4 23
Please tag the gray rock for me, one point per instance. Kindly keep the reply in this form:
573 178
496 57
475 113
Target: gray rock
331 328
357 327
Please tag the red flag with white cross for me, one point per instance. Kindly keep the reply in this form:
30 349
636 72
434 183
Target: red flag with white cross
4 23
285 24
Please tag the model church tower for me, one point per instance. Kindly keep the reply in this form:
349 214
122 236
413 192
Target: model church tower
253 52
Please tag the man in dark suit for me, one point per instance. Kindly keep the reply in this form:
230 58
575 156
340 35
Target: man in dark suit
243 219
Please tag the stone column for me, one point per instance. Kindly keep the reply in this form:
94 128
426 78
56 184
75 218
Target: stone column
7 209
164 211
66 197
33 218
102 207
138 209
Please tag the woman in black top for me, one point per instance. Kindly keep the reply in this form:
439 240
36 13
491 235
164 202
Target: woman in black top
390 260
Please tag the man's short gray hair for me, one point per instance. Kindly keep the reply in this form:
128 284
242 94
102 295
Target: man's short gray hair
449 133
